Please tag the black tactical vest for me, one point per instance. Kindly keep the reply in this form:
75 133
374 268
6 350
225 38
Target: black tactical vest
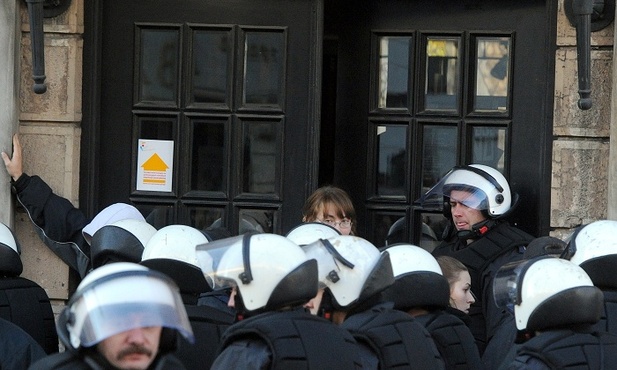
299 340
399 341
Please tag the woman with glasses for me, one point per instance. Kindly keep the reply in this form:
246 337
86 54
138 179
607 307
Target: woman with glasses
332 206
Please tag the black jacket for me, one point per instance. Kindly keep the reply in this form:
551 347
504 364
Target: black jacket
17 348
57 222
483 257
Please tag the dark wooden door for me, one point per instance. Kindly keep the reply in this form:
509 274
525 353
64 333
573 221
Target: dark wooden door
229 88
425 85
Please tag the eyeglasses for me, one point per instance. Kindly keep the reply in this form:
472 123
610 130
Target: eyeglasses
343 224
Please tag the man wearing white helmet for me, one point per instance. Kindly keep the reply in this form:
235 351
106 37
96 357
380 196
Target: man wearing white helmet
62 227
172 251
307 233
421 290
555 305
477 199
271 278
594 248
122 316
355 274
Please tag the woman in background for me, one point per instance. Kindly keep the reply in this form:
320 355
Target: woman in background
332 206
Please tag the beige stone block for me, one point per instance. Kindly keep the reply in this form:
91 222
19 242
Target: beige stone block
566 33
71 21
63 70
52 152
569 120
579 182
41 265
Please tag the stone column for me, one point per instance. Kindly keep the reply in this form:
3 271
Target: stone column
8 97
612 158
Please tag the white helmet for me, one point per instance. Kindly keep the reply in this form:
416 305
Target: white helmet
175 242
119 297
540 288
594 248
269 270
10 261
310 232
350 268
172 251
120 241
109 215
488 190
419 279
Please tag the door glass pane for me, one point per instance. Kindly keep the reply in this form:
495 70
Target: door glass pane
393 77
209 155
264 67
489 146
158 64
203 218
212 51
391 159
256 220
156 128
261 157
492 69
390 228
439 149
442 73
433 226
157 215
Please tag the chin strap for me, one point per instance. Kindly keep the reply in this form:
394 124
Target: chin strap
477 230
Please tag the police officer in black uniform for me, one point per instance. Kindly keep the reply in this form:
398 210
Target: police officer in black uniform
476 199
271 278
355 274
555 305
122 316
594 248
422 291
171 250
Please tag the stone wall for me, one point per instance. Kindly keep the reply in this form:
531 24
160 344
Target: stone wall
581 155
50 135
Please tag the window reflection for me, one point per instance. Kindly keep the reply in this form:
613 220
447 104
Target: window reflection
207 218
488 146
395 227
261 157
158 64
442 73
258 220
439 147
391 159
393 83
211 63
492 69
157 215
433 226
264 67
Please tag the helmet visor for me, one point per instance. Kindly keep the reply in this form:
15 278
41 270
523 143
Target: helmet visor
456 191
209 257
506 286
329 261
116 306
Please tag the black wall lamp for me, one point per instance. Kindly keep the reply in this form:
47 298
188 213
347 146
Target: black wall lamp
587 16
37 9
